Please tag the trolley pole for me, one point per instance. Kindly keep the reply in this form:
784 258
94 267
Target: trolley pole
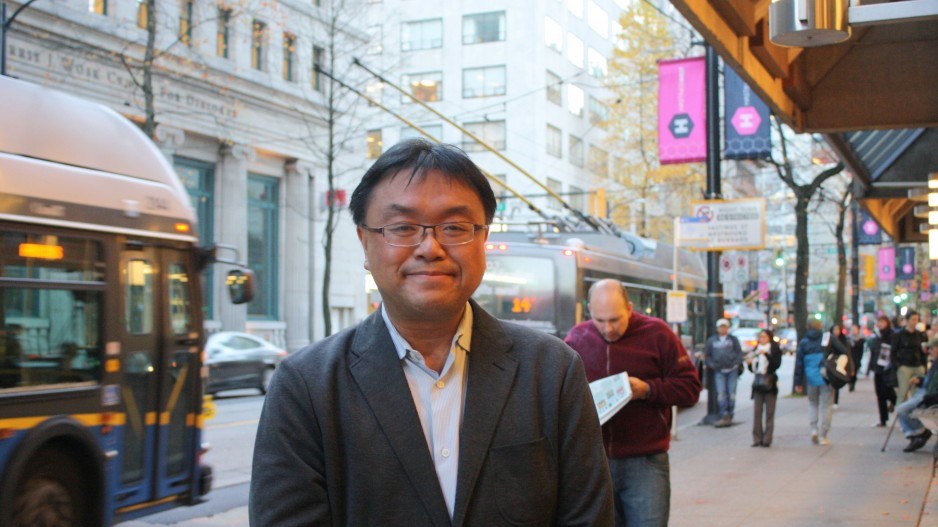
714 289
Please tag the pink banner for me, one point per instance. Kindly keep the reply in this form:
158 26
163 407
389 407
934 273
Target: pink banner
682 111
887 263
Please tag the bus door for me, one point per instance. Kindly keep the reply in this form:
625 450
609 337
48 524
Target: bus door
160 370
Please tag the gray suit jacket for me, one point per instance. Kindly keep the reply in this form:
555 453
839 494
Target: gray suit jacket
340 443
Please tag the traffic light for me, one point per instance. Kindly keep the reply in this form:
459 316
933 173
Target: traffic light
779 257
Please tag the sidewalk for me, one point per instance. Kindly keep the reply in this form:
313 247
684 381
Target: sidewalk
718 479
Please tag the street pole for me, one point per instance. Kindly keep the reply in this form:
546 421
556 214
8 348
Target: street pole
714 289
855 262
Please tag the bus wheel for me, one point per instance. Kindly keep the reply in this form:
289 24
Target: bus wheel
266 375
50 493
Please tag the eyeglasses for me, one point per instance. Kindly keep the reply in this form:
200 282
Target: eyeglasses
412 234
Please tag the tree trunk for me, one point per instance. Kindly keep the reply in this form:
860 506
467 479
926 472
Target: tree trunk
841 267
802 262
331 118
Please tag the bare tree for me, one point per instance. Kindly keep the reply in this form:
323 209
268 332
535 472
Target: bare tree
842 202
804 192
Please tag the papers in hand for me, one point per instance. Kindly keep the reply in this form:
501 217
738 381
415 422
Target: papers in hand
610 394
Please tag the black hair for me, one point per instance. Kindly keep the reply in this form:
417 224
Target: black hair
421 156
770 333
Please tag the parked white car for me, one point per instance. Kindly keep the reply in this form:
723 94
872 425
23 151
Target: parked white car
238 360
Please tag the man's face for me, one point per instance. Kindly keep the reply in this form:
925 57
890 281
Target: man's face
933 352
722 330
429 281
610 313
912 321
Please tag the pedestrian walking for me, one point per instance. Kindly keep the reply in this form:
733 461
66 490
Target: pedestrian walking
661 375
724 355
908 355
809 361
857 344
763 361
884 373
838 344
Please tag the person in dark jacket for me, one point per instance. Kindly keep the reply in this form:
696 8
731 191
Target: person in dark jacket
857 344
809 360
880 351
838 345
926 395
908 354
764 359
661 374
724 355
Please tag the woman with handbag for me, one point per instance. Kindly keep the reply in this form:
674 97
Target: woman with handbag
763 360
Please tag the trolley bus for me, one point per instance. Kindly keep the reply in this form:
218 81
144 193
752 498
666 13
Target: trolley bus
100 319
540 279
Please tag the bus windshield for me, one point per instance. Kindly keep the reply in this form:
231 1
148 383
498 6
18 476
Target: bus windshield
519 289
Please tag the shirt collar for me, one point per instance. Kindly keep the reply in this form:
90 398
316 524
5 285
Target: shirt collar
462 338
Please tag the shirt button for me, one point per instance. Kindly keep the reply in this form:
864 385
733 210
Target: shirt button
440 384
445 452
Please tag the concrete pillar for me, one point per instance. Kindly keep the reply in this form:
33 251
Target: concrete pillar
232 201
169 139
296 254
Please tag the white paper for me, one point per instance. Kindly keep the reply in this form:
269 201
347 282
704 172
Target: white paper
610 394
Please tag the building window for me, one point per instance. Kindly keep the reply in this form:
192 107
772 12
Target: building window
436 130
553 34
97 6
557 187
576 151
185 22
422 34
224 32
142 14
319 59
574 50
483 82
554 141
199 180
598 111
258 45
289 54
575 100
376 45
263 246
491 132
575 7
598 19
426 87
374 144
598 161
596 64
577 198
553 88
483 27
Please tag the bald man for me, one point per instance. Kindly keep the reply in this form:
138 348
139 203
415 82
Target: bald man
661 375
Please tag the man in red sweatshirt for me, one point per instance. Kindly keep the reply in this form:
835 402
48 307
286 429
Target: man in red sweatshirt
661 375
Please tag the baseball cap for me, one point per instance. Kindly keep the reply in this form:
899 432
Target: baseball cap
723 322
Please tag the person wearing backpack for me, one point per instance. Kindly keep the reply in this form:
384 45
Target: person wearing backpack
809 361
907 354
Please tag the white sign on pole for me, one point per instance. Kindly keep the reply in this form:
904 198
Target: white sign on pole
726 268
720 225
677 307
742 267
610 395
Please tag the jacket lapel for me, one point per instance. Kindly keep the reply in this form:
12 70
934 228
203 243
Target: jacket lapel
378 373
491 374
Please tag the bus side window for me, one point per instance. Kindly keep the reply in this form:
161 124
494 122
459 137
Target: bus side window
139 297
179 302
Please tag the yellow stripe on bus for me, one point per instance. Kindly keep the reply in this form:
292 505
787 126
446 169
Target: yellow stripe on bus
180 381
131 508
151 418
25 423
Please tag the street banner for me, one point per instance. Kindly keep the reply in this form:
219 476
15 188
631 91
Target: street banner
677 307
887 263
722 225
869 232
763 290
682 126
869 272
747 120
905 263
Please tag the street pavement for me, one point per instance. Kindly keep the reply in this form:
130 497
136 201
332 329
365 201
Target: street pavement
719 480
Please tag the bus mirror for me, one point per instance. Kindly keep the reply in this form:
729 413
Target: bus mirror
240 285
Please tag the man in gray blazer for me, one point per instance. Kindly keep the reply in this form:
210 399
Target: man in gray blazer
430 411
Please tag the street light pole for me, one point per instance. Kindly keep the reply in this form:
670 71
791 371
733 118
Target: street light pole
4 27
